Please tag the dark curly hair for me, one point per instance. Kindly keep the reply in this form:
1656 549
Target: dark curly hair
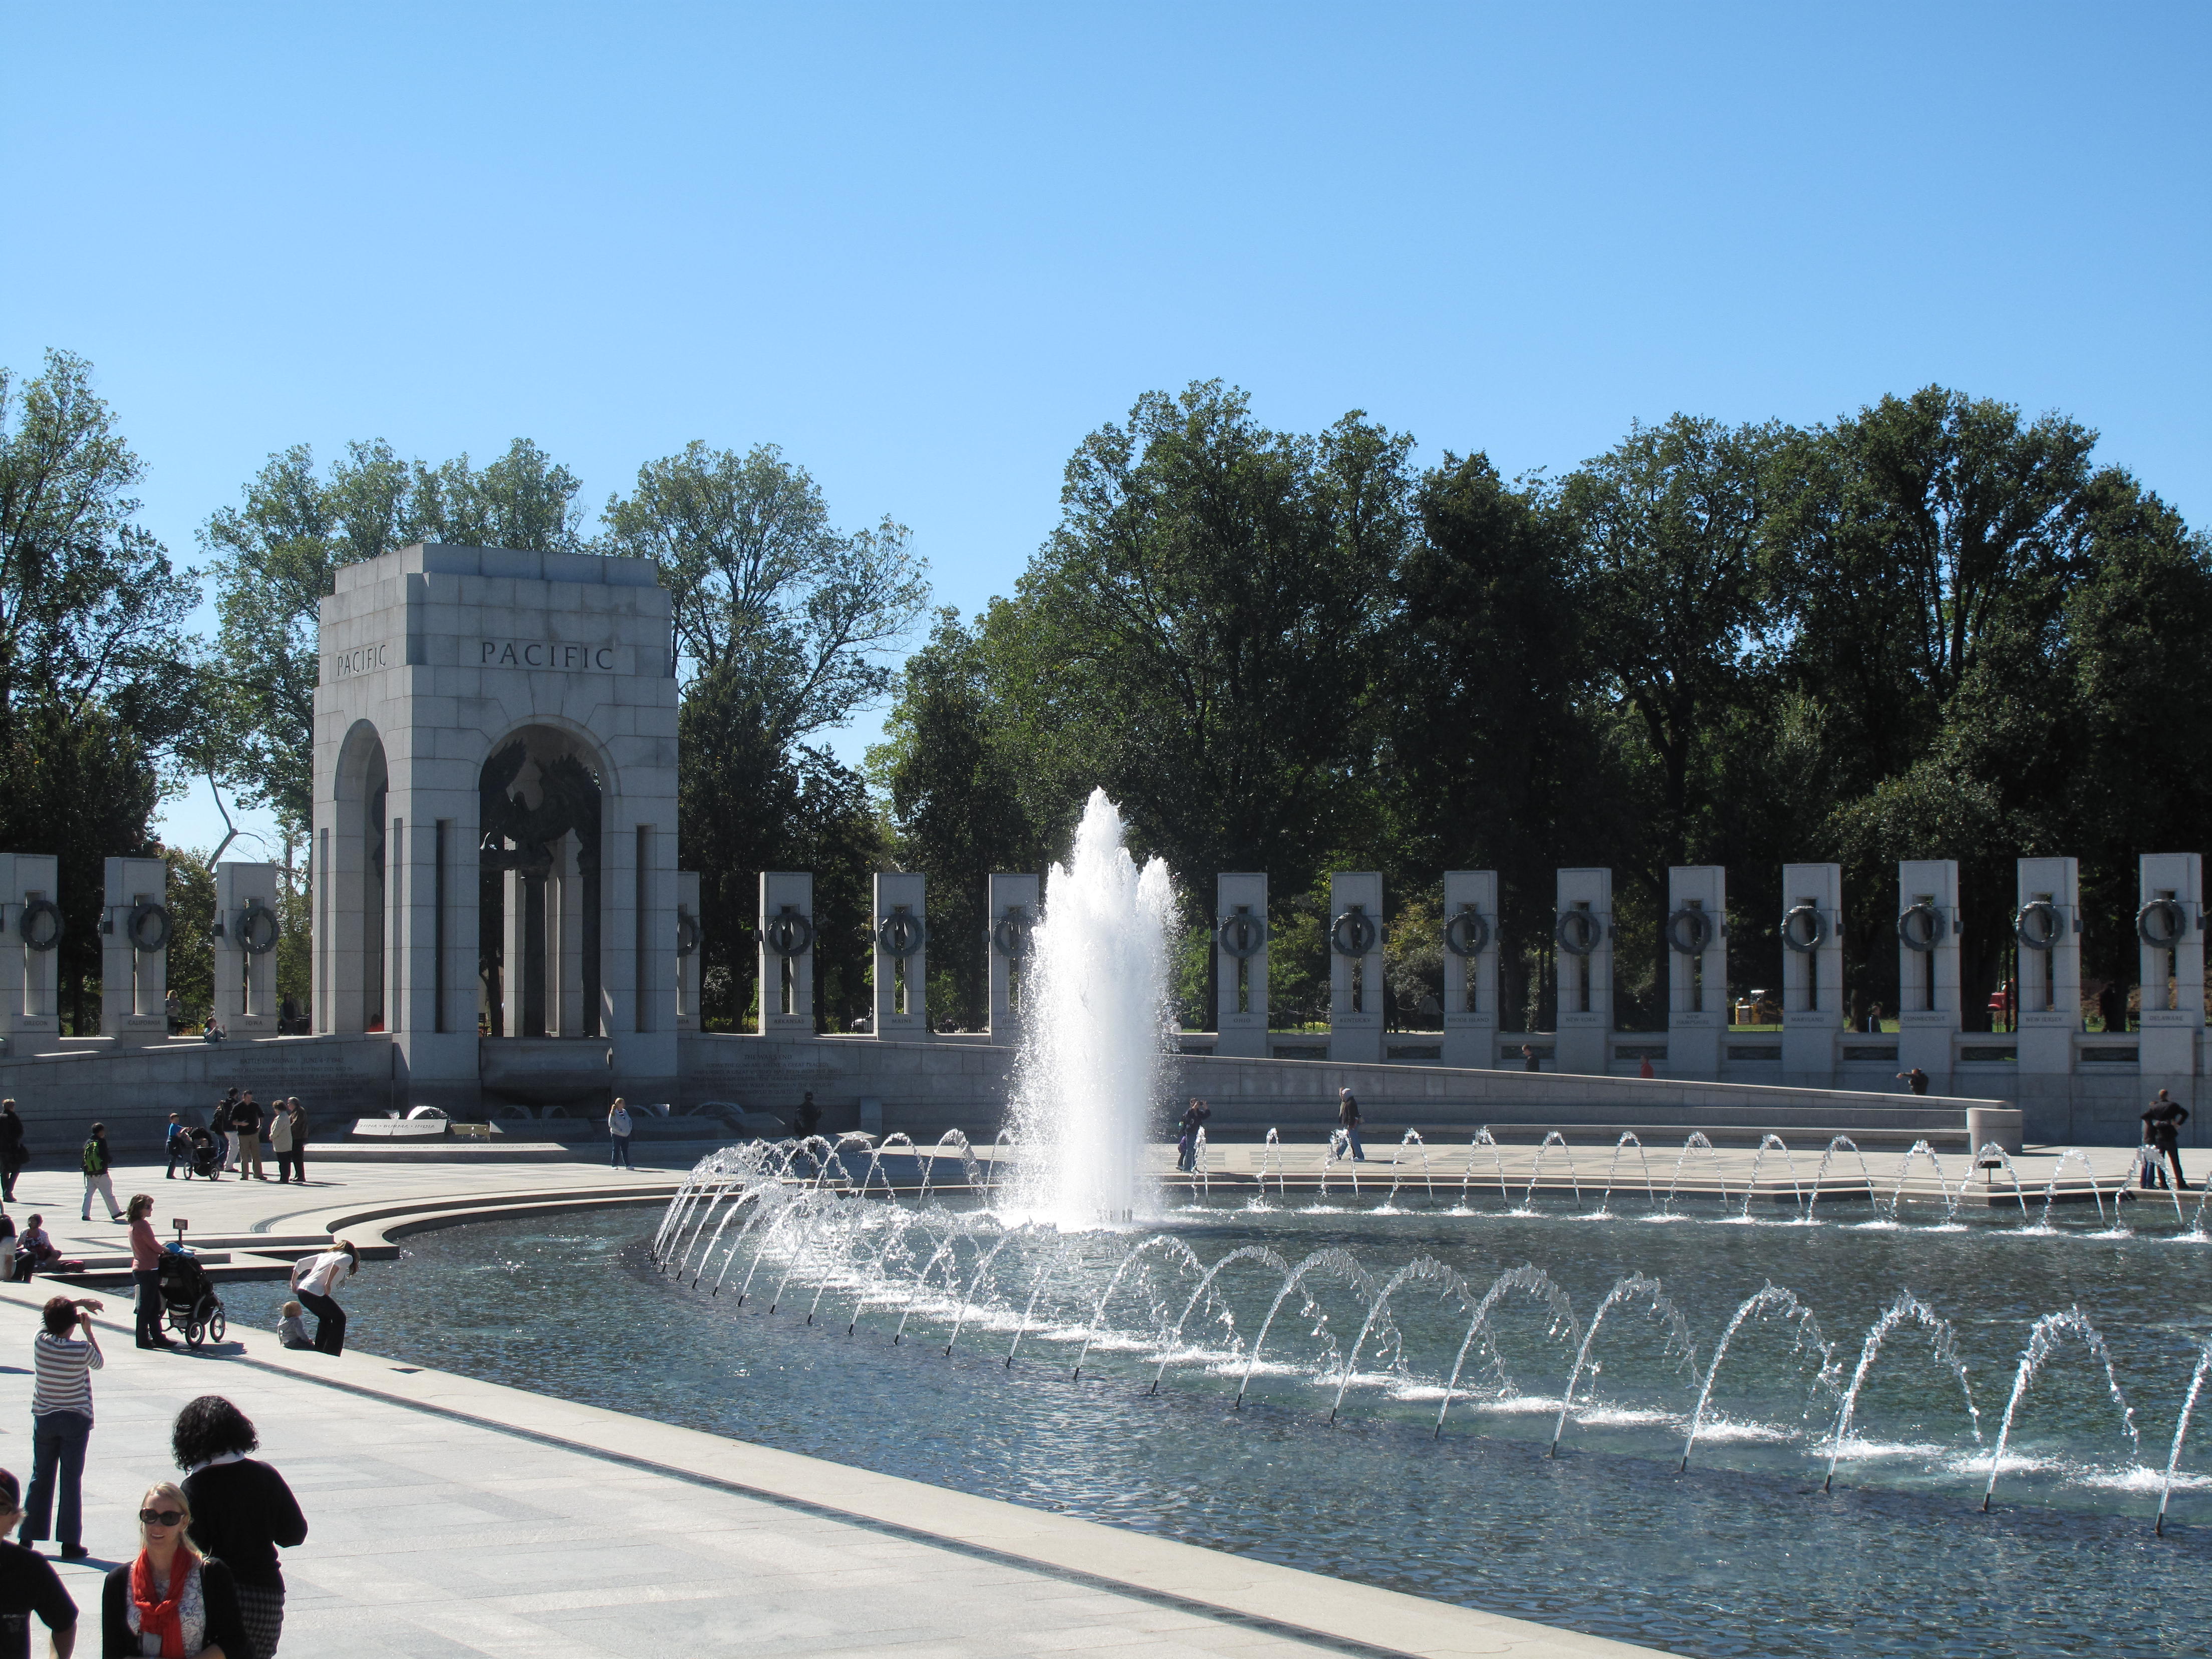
208 1428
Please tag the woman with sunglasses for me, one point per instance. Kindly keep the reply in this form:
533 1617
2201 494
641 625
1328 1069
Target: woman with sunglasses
170 1602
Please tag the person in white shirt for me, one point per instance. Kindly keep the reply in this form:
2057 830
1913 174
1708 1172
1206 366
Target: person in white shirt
618 1130
315 1278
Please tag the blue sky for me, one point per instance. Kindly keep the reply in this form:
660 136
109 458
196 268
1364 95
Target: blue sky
926 248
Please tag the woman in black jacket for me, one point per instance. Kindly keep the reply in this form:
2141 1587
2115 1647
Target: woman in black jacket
170 1600
242 1510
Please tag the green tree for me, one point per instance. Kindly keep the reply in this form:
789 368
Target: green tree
955 796
1199 633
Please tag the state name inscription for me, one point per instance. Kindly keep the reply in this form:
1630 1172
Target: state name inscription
555 654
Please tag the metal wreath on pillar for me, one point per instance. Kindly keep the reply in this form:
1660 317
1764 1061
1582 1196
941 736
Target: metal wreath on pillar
1470 968
1812 971
134 956
786 931
1357 993
246 935
1582 930
1240 964
2048 928
902 956
1928 1013
1695 933
2169 933
30 929
1010 901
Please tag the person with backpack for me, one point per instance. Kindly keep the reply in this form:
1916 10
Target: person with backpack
96 1162
245 1128
220 1124
14 1154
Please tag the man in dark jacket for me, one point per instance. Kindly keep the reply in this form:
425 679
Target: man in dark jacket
1347 1117
13 1156
2162 1135
245 1128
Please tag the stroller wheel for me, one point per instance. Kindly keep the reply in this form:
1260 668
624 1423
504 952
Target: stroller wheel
192 1333
217 1324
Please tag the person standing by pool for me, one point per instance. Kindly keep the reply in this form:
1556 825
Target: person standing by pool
13 1154
61 1422
29 1584
171 1596
315 1280
146 1272
1348 1115
1194 1115
2162 1135
242 1511
618 1134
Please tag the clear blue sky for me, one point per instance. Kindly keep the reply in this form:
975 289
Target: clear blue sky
927 247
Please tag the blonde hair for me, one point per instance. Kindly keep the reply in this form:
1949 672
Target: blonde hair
174 1496
291 1310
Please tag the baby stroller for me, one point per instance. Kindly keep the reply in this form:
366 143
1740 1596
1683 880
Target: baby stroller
206 1157
188 1297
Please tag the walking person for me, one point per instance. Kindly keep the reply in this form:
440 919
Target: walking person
315 1280
245 1124
618 1134
61 1422
97 1162
177 1146
13 1154
1194 1116
2162 1135
171 1599
298 1116
29 1584
242 1510
146 1272
1348 1115
1530 1061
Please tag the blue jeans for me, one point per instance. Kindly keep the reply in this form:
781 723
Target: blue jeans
58 1443
1351 1140
621 1157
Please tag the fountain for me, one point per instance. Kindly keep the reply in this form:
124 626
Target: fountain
1090 1076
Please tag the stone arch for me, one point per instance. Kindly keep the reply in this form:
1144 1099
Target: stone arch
543 788
352 921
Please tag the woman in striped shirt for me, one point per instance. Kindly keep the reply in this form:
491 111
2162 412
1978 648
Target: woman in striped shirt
61 1421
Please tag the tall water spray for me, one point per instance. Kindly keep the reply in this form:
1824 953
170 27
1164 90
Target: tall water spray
1095 1023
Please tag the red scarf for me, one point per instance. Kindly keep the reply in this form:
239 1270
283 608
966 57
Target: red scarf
163 1619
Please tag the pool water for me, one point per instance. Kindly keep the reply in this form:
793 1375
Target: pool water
1743 1553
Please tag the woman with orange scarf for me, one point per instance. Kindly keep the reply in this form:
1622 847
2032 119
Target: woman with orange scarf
170 1602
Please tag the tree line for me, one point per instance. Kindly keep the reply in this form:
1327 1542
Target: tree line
1930 628
1933 627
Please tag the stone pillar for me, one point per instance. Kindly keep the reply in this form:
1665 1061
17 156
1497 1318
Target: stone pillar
2171 927
902 956
2048 925
1011 914
691 950
1583 931
30 928
1927 1013
1696 934
1355 967
134 964
1812 972
1240 965
1471 968
787 953
246 935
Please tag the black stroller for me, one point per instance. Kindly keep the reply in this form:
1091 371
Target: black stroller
194 1311
206 1160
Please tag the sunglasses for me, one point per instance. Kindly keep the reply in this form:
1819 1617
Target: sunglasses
161 1517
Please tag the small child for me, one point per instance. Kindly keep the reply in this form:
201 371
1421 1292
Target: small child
292 1329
